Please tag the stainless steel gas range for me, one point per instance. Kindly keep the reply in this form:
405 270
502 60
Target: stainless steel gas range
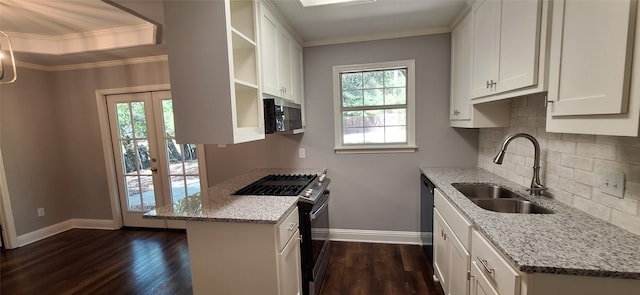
312 192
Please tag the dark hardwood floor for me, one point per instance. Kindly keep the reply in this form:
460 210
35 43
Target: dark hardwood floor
157 262
100 262
378 269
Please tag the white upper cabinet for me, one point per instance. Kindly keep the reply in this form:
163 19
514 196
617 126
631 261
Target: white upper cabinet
594 86
486 47
506 39
280 59
590 52
269 54
461 50
214 71
462 112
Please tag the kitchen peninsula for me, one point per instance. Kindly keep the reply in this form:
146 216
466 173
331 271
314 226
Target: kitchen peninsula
241 244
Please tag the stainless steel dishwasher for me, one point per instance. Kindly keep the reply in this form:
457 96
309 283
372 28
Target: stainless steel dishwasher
426 215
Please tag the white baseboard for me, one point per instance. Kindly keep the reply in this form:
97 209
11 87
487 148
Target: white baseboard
43 233
375 236
107 224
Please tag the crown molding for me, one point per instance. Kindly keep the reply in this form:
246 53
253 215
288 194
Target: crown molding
374 37
93 65
106 39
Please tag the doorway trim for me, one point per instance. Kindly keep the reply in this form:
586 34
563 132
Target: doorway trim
107 147
9 235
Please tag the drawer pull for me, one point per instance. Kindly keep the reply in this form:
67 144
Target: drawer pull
292 227
485 266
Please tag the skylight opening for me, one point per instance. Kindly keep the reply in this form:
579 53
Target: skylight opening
312 3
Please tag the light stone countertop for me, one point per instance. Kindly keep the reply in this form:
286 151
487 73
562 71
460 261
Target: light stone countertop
567 242
219 205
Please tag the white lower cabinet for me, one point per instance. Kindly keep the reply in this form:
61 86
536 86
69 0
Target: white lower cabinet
245 258
480 284
289 277
503 277
465 262
451 255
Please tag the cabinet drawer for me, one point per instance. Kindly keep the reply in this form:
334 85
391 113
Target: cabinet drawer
287 229
504 278
460 226
480 283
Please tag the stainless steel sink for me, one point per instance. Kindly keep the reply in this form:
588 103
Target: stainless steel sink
484 191
498 199
511 206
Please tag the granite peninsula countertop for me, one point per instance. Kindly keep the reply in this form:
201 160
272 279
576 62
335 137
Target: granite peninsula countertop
217 204
567 242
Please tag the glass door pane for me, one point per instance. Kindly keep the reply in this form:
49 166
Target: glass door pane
182 159
135 156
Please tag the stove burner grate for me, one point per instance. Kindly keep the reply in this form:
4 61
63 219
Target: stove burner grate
278 185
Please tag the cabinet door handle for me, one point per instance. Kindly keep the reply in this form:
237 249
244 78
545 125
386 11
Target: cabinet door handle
488 84
484 264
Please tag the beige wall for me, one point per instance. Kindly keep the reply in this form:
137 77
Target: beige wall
571 164
32 150
51 141
80 129
369 191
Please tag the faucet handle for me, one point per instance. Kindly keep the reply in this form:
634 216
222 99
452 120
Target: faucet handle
536 191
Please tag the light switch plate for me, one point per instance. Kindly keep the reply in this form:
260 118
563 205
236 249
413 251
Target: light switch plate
302 153
612 183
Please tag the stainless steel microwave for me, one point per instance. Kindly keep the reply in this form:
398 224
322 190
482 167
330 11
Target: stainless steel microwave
281 116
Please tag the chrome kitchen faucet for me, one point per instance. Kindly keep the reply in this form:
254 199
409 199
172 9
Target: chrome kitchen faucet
536 187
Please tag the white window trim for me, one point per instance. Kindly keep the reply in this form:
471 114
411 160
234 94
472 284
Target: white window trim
410 146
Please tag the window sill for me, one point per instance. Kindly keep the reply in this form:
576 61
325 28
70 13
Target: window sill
375 149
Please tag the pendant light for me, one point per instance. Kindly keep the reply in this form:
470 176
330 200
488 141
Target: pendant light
5 56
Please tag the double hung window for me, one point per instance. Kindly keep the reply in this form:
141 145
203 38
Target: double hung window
374 107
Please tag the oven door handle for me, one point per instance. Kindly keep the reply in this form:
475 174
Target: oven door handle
314 214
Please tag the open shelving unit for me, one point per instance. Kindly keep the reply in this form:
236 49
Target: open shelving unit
214 67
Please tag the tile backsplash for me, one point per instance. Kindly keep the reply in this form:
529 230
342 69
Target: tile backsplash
572 165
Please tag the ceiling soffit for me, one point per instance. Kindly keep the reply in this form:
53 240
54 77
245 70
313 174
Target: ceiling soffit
57 27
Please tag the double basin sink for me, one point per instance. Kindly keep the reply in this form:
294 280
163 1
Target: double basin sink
498 199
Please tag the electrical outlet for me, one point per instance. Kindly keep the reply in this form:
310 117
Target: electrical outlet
612 183
40 212
302 153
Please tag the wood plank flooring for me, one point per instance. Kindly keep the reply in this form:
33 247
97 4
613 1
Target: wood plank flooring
378 269
157 262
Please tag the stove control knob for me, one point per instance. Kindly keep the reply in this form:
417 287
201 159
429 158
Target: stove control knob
308 192
322 177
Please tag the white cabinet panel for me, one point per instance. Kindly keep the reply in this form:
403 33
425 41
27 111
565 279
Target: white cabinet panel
451 259
269 51
289 276
459 267
486 47
480 284
281 59
461 50
506 39
592 85
463 113
519 37
591 49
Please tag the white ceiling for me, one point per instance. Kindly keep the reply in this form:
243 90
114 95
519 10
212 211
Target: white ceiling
371 20
313 25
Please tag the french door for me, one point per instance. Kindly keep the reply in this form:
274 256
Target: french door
151 168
